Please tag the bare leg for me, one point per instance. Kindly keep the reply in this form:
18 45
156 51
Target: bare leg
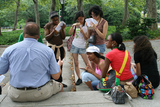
85 59
89 84
76 64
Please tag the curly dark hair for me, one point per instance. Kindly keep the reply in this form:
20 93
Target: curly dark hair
143 45
96 10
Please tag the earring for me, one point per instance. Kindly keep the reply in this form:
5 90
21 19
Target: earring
112 45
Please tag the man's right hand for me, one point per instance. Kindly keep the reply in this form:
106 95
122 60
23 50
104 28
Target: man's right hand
60 62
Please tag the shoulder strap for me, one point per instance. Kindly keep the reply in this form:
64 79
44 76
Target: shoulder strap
74 31
123 64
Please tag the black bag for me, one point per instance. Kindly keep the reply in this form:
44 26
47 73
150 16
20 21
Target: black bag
92 39
109 81
117 95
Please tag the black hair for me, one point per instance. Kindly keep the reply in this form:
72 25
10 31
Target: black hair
79 14
119 40
98 55
143 45
96 10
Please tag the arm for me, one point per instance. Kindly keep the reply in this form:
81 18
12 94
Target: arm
72 28
90 70
138 69
48 34
84 34
88 32
105 29
20 37
56 76
62 32
105 67
4 63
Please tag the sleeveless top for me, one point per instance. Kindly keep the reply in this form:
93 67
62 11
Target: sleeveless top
99 40
98 70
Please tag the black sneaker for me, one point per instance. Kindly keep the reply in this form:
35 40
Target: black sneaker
79 81
64 85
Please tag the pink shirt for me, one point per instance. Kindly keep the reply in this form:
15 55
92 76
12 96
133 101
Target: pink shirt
98 70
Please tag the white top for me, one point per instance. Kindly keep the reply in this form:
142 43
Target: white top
79 40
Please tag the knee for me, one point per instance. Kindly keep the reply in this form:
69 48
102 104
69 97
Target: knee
84 77
76 63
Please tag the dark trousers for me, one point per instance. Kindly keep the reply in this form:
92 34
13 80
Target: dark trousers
62 51
0 90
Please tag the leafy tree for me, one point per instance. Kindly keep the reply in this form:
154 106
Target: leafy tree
152 12
36 12
16 15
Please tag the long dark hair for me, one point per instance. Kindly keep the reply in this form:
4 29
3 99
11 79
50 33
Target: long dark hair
143 45
96 10
118 38
98 55
79 14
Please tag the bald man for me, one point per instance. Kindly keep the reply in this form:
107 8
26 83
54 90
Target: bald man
31 64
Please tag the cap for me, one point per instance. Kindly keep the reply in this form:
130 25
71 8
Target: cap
93 49
53 14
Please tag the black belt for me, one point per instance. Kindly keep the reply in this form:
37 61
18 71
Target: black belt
31 88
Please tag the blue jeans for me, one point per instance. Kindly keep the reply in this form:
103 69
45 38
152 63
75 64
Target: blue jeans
88 77
94 84
101 47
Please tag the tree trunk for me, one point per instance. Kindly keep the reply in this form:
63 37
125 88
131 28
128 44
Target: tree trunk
126 12
152 12
16 16
36 12
53 6
0 31
80 5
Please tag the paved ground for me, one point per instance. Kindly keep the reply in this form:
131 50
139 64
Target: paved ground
83 97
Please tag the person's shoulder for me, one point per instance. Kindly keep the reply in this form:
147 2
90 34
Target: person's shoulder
48 25
12 47
44 47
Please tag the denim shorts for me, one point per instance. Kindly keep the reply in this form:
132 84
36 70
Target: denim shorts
102 47
77 50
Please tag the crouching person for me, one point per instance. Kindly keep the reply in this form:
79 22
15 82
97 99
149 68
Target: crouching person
31 65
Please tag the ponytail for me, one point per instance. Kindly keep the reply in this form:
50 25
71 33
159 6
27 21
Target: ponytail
121 47
98 55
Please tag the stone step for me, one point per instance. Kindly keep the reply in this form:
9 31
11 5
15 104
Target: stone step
82 99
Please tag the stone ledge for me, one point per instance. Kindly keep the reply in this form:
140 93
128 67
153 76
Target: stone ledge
83 99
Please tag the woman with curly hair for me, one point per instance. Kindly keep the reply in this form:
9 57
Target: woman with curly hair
146 59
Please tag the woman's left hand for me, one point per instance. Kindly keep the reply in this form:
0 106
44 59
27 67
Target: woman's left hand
81 30
89 69
93 25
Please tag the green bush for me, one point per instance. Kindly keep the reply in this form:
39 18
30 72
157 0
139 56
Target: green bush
137 27
9 38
